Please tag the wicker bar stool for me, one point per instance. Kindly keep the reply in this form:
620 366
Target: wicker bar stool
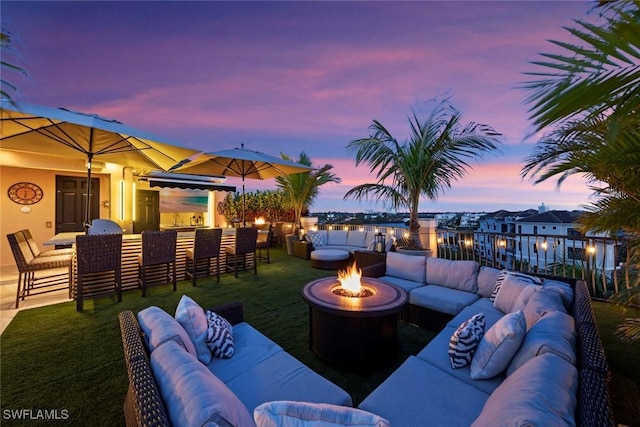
263 242
35 250
206 245
98 253
245 243
38 275
158 248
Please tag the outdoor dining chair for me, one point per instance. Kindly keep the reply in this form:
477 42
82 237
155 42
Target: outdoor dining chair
158 249
245 244
206 245
95 255
38 275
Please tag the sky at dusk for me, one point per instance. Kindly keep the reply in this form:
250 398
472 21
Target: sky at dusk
286 77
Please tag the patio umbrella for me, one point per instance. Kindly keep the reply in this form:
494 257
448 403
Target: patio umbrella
66 133
239 162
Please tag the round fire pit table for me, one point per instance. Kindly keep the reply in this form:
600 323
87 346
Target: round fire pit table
354 332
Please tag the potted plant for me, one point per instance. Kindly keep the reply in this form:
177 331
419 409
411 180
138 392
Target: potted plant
435 155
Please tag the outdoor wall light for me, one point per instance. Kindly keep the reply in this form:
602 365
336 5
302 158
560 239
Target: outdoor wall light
544 245
105 203
121 200
439 240
591 249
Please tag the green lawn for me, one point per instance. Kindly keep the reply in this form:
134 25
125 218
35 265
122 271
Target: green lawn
54 358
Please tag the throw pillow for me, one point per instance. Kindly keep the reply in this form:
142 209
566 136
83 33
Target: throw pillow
532 280
300 414
507 299
219 337
317 239
192 318
465 340
497 347
159 327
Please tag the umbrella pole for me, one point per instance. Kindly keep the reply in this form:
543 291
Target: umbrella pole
244 223
87 214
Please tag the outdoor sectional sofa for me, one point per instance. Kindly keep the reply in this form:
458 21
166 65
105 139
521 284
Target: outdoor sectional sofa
545 364
558 375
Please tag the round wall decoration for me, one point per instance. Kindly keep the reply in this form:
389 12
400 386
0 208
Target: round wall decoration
25 193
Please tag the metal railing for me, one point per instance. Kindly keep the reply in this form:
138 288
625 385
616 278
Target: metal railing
603 262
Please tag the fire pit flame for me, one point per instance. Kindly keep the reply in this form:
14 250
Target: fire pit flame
350 285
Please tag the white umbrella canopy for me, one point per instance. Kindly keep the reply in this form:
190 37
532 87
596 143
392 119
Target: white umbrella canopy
239 162
65 133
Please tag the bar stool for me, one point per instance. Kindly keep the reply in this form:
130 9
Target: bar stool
206 245
98 253
245 243
38 275
263 241
35 250
158 248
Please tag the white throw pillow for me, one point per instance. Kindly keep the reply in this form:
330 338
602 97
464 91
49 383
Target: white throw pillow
299 414
513 293
192 318
525 278
465 340
498 346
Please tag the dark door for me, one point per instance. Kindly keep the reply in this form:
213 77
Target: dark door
147 211
71 202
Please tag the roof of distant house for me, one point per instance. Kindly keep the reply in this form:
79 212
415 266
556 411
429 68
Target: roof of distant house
555 217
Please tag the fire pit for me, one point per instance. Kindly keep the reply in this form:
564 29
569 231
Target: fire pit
354 327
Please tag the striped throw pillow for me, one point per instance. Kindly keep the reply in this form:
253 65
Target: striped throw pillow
465 340
219 337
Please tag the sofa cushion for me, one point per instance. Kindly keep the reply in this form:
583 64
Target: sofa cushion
487 280
465 340
193 319
219 337
435 353
389 241
192 394
357 238
462 275
442 299
498 346
491 314
541 393
283 377
407 285
159 326
564 289
525 278
251 348
416 385
300 414
540 303
552 333
337 237
406 267
369 241
513 294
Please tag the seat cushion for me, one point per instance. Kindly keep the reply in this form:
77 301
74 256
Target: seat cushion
442 299
462 275
301 414
491 314
192 394
407 285
329 255
416 385
408 267
283 377
250 348
159 326
192 318
541 393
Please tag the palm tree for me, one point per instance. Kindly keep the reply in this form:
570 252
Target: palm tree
435 155
301 189
591 94
6 45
